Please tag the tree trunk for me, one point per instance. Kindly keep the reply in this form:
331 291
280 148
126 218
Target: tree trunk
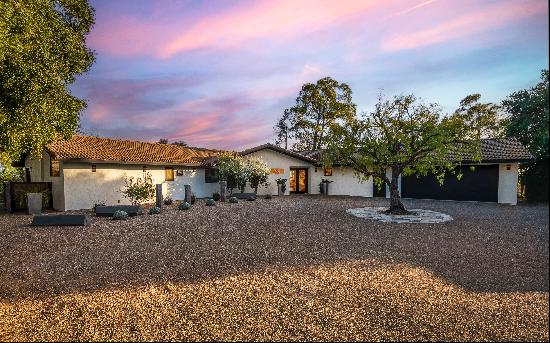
396 206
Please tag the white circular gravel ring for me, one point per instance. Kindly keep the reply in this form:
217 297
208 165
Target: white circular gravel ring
419 216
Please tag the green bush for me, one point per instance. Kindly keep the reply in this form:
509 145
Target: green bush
210 202
120 215
216 196
154 210
184 206
139 190
233 200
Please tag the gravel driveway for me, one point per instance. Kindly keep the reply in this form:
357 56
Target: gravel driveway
292 268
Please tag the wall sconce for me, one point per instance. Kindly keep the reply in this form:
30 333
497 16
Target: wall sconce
316 169
144 169
508 167
93 168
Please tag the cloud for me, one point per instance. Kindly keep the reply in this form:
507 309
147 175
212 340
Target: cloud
480 20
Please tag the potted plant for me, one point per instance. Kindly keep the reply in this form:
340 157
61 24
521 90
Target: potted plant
323 186
281 186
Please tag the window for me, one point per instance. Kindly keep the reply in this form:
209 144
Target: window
277 171
328 171
211 175
54 168
169 174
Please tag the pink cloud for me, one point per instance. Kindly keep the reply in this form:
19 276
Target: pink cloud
491 16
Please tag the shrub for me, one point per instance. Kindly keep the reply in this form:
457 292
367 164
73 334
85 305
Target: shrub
139 190
233 200
184 206
168 201
210 202
154 210
120 215
216 196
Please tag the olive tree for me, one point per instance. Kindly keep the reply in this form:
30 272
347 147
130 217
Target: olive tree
405 136
231 169
258 172
138 190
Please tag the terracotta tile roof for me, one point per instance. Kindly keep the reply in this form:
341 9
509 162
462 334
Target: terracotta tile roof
280 150
492 150
126 151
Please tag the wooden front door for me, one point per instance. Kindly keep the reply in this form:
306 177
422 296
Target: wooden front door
298 180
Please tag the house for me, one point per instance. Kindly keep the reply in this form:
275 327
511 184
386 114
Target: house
86 170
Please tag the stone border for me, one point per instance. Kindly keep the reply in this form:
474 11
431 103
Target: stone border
420 216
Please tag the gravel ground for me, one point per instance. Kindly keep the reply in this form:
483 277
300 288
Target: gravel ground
292 268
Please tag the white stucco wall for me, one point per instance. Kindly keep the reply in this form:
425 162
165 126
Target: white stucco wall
345 181
83 187
508 183
277 160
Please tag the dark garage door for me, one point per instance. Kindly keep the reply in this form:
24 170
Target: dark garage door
479 185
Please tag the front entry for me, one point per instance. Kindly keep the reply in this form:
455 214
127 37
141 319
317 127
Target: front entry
298 180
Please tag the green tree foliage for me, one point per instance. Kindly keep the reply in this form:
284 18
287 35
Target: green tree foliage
231 168
257 171
42 49
528 122
481 117
138 190
318 105
405 136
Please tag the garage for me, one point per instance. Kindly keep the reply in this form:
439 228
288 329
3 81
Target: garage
479 184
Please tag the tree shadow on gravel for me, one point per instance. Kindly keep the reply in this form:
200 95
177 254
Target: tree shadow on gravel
486 248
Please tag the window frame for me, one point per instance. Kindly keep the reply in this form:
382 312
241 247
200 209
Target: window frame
167 172
55 172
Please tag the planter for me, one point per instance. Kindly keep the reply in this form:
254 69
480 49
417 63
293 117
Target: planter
280 191
34 203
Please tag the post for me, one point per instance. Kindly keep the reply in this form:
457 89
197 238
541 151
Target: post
223 190
187 193
8 196
34 203
159 195
280 190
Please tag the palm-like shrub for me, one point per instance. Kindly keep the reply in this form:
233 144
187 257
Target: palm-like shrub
210 202
120 215
154 210
184 206
233 200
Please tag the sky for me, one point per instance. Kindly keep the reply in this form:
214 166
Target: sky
218 74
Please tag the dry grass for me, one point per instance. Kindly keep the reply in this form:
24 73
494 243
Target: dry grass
281 269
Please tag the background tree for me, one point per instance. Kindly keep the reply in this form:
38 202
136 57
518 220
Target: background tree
318 105
405 136
163 141
258 172
180 143
528 122
42 49
282 129
482 117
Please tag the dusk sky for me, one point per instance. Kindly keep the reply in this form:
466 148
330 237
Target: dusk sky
219 73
